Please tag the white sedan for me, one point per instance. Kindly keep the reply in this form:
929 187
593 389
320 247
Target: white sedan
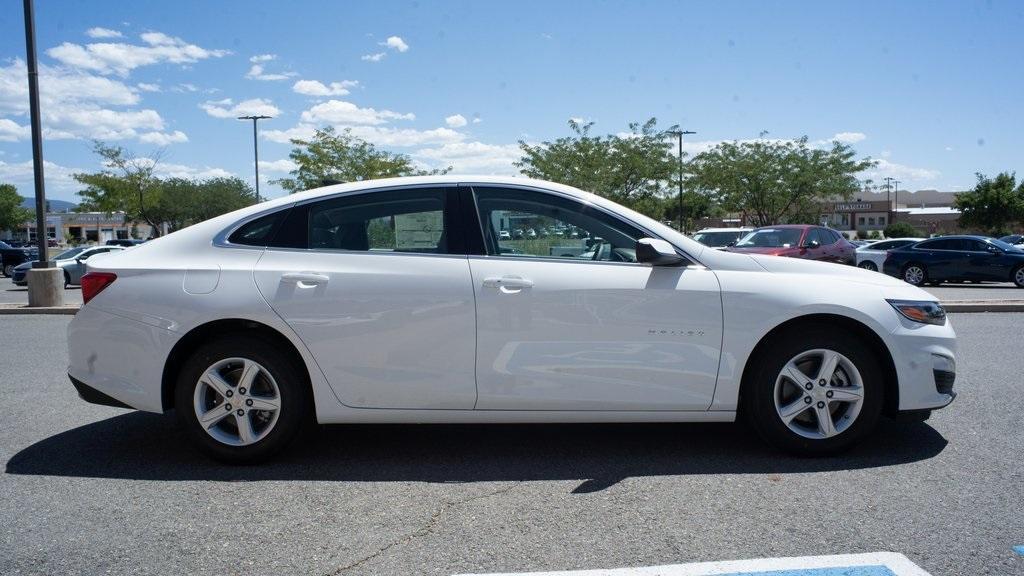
872 256
390 301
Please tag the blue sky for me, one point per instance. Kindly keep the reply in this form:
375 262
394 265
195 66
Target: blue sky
932 90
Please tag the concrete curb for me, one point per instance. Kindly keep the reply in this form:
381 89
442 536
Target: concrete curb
68 309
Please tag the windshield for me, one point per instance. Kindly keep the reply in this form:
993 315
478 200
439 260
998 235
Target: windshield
69 254
1004 245
771 238
717 238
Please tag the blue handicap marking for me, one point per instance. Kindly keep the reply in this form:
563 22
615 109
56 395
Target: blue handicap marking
870 564
1019 550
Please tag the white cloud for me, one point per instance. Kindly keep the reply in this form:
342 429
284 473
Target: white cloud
472 157
282 165
405 137
226 108
342 112
121 58
848 137
899 171
191 172
300 132
257 72
455 121
374 57
186 87
317 88
163 138
99 123
59 87
11 131
477 120
147 87
98 32
395 43
21 174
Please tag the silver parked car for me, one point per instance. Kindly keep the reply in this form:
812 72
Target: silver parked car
72 261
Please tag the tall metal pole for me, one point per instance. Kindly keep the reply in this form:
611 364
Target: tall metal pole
888 197
679 133
896 197
256 150
37 136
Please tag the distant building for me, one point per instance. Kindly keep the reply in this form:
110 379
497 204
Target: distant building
79 228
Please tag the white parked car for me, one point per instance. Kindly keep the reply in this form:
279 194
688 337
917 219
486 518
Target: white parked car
720 238
872 256
389 301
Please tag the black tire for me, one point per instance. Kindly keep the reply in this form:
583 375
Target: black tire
758 402
296 406
868 265
1018 276
924 274
67 279
8 270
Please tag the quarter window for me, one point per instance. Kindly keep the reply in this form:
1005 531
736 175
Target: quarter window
529 224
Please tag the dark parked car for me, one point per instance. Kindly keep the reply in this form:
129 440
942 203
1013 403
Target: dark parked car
957 258
1017 239
11 257
799 241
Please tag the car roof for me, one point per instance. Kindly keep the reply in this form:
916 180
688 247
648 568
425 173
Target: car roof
734 229
795 226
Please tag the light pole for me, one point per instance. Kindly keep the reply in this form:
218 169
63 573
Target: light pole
896 198
256 149
679 134
42 238
888 195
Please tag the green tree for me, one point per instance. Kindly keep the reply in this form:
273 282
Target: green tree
12 213
993 204
183 202
632 169
772 181
343 157
126 184
902 230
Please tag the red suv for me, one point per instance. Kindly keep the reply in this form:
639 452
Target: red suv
798 241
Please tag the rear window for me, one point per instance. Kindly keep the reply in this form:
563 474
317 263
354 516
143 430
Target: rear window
259 232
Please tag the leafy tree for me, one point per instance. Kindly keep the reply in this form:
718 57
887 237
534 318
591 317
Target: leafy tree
126 184
902 230
632 169
183 202
12 213
773 180
344 157
993 204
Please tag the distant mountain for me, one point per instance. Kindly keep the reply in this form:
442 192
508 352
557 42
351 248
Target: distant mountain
55 205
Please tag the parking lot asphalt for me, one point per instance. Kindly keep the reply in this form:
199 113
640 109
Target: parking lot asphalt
11 294
88 489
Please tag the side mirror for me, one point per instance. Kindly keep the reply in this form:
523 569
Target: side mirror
731 244
657 253
79 260
811 245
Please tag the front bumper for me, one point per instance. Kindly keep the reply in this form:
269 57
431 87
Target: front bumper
925 360
94 396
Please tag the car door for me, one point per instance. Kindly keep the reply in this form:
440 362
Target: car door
76 269
575 323
377 286
985 261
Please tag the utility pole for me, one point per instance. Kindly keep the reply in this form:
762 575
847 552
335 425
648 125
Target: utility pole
888 199
42 237
896 197
256 149
679 134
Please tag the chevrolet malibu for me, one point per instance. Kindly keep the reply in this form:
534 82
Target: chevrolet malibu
400 301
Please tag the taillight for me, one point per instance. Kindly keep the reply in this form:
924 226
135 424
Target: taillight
94 282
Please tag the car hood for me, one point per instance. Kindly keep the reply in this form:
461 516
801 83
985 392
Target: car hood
770 250
837 271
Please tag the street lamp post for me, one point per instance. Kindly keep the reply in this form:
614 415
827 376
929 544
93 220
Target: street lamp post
888 196
42 238
679 134
896 198
256 149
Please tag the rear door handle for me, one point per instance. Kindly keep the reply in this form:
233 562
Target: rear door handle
507 282
305 278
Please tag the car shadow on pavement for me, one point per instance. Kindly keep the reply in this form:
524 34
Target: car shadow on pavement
142 446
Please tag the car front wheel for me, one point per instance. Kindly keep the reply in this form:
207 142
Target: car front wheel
9 270
814 392
1018 276
241 400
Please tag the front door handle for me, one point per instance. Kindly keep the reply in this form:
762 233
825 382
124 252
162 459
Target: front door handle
507 283
305 278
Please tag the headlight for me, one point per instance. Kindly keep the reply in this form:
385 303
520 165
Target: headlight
921 311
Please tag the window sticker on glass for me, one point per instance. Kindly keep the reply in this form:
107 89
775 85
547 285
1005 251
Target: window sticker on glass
418 231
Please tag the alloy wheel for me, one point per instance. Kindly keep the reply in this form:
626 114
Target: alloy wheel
914 275
869 265
819 394
237 401
9 270
1018 278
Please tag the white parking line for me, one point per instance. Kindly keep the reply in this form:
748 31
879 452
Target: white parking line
870 564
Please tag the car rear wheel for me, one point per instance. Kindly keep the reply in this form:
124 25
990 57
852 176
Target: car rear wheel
241 400
868 265
915 274
1018 276
814 392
